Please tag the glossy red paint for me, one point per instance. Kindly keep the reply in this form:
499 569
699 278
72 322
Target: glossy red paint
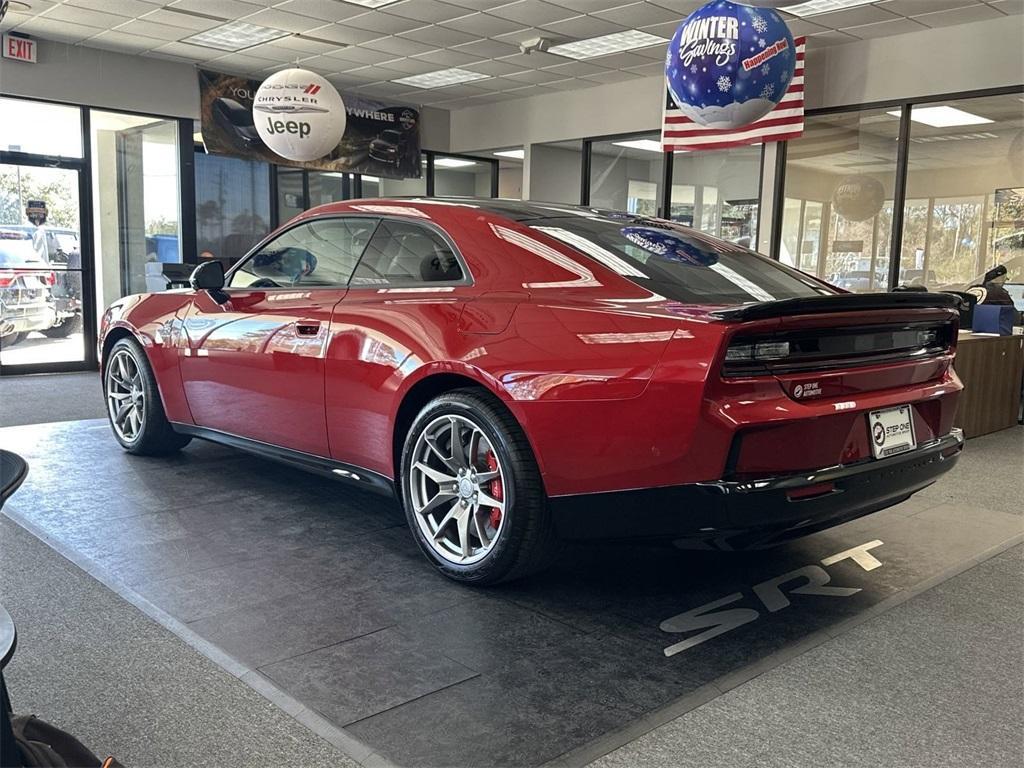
615 387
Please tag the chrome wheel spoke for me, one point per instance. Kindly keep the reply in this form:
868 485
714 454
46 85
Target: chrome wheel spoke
436 475
458 451
439 499
486 500
119 396
449 462
126 401
486 477
481 533
463 525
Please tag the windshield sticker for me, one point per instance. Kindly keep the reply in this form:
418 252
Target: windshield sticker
669 246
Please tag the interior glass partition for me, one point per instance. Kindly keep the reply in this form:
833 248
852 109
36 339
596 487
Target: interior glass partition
964 211
839 188
718 192
626 174
555 171
232 206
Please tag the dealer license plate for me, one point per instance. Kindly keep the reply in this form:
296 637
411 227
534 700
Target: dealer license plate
892 431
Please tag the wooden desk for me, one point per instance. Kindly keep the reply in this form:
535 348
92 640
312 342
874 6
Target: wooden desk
991 368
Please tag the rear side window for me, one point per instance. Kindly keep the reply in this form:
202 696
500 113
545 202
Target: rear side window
678 263
405 253
19 253
316 254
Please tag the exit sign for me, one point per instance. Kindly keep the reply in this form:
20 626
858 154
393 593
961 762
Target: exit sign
19 48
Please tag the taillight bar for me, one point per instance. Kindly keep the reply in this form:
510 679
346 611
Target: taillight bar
825 348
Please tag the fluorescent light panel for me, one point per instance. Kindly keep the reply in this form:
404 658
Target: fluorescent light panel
649 145
814 7
441 78
235 36
451 162
375 179
943 117
617 42
515 154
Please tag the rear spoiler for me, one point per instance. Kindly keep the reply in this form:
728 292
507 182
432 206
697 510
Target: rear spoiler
844 302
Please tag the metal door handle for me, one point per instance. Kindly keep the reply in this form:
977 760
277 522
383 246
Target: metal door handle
308 327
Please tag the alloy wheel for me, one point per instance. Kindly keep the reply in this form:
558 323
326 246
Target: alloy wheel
126 395
457 484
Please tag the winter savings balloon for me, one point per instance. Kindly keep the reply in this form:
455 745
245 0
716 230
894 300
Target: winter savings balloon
729 64
298 114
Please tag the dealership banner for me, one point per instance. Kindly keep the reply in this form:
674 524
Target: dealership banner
380 139
785 121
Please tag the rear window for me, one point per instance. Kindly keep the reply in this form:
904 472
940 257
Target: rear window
19 253
678 263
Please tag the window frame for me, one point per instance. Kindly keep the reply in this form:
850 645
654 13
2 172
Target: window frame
467 279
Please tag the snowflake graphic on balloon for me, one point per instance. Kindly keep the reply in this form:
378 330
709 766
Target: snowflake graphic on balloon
729 64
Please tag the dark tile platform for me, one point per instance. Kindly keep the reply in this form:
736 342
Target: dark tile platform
320 588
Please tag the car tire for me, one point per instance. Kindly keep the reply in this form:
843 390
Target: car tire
65 328
12 338
128 379
522 537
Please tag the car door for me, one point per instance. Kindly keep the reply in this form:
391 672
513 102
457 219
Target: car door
253 364
402 310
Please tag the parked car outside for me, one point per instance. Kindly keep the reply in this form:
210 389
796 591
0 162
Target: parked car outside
518 372
64 257
26 303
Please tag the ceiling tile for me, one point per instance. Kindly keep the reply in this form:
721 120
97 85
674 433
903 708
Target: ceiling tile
649 70
532 12
801 27
499 84
681 7
534 60
182 20
346 79
445 58
409 66
482 25
581 27
129 8
187 51
119 41
84 16
238 62
590 6
281 50
341 33
496 68
306 45
851 17
438 36
959 16
664 30
639 15
360 55
885 29
478 5
488 49
226 9
535 77
626 59
325 10
575 69
151 29
397 46
383 23
425 10
1009 7
275 19
611 76
916 7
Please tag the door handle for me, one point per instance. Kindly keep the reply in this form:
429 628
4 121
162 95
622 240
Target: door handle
307 327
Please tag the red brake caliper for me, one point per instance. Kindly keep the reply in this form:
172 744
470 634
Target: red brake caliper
495 489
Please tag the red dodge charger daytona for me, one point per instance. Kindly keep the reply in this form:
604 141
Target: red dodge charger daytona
517 373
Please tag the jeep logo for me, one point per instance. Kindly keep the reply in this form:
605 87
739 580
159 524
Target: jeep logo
809 580
288 126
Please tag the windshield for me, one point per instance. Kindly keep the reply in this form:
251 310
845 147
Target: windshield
679 263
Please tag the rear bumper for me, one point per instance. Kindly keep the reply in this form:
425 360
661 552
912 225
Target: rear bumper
17 318
756 513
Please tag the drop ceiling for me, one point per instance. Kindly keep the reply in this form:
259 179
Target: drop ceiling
365 50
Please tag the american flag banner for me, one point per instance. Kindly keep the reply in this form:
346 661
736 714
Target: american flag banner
785 121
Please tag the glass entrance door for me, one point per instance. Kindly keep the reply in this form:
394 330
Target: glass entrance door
43 295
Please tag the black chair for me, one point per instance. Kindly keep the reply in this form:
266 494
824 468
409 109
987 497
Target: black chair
12 473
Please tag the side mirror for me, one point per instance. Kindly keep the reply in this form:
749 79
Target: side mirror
208 276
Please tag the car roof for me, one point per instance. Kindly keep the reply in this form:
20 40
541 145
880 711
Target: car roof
515 210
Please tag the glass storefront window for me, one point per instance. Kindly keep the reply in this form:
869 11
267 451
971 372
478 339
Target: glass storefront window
718 192
41 297
626 174
964 211
555 172
329 187
232 206
840 182
291 196
43 129
136 204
